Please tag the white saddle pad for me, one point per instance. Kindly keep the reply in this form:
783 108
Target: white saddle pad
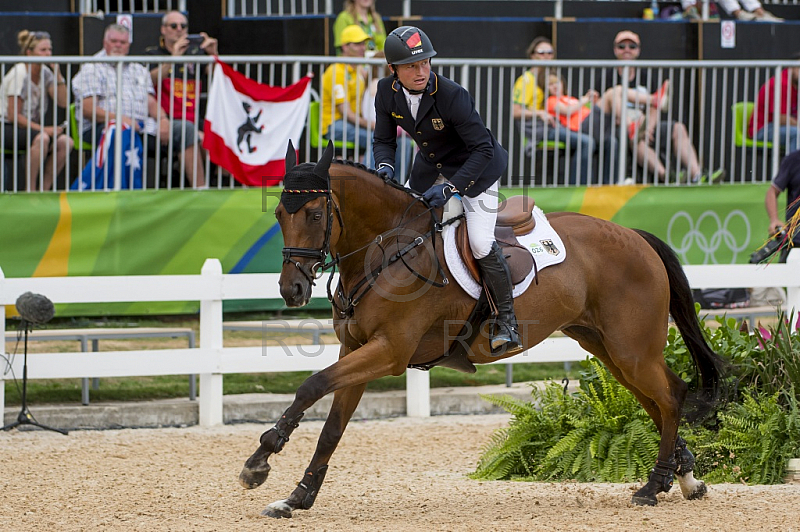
543 242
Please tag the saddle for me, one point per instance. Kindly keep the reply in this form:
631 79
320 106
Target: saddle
514 218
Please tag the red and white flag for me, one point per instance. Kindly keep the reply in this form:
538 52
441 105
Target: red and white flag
248 125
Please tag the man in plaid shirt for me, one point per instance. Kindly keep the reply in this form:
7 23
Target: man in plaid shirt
95 90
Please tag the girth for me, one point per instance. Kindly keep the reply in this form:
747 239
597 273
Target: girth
514 218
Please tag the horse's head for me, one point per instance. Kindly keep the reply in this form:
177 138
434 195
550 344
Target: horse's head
305 217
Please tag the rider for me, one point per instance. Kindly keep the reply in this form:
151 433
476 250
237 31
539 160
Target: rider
458 155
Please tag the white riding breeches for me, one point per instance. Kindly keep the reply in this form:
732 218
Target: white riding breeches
481 214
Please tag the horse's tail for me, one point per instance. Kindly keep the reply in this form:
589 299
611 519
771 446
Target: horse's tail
712 367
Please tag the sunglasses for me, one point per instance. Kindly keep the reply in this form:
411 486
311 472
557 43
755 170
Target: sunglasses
628 45
175 26
548 51
39 35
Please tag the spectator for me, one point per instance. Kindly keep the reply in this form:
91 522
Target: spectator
179 84
761 125
343 86
739 9
537 124
458 155
650 134
788 179
363 14
22 106
402 161
583 117
95 89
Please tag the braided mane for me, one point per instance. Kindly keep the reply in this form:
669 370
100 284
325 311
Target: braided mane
391 182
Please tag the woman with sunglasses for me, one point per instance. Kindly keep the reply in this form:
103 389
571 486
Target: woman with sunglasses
537 124
23 107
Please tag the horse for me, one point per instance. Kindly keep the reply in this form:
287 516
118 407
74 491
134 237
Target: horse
393 307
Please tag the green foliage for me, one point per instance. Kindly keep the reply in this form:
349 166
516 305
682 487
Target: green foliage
756 440
602 434
599 434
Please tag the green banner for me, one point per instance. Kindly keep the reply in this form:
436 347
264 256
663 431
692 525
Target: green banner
174 231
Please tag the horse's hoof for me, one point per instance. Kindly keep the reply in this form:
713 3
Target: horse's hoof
644 500
252 479
278 510
699 491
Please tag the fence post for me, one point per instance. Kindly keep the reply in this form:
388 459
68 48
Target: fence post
418 393
793 292
210 403
3 352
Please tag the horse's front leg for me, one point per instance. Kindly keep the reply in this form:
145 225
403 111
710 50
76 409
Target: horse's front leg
367 363
303 497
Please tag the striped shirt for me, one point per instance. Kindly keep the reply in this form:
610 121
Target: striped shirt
99 80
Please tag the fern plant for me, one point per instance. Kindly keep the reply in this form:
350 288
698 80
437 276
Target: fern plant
756 440
599 434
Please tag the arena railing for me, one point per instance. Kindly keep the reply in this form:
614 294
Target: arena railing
91 7
252 8
711 98
211 359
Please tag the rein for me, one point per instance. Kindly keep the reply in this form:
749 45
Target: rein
366 283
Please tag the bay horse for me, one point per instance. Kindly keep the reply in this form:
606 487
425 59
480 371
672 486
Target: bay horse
613 294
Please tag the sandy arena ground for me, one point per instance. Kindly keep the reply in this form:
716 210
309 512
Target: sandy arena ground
399 474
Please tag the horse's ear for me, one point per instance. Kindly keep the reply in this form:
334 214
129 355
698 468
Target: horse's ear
324 164
291 157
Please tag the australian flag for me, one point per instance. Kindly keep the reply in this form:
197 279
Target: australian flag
99 172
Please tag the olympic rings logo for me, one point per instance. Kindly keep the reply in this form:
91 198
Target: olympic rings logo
695 235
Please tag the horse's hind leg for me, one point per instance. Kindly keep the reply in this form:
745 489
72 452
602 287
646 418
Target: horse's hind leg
663 403
344 404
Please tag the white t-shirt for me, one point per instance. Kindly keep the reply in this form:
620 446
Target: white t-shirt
17 83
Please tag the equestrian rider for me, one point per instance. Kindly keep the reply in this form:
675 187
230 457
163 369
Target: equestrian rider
457 155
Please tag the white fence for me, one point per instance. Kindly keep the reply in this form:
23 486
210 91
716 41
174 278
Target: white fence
211 360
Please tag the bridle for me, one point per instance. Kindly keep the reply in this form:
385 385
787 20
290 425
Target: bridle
318 268
360 289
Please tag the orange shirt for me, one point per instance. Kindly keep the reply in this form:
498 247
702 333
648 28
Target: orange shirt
572 121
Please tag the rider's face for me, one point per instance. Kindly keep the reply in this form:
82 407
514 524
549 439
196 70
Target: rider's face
414 76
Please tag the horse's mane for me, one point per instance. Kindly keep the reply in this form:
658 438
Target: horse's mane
391 182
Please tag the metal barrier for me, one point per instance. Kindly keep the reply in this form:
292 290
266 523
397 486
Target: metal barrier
712 99
90 7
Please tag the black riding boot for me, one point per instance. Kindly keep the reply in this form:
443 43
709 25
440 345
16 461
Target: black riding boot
497 278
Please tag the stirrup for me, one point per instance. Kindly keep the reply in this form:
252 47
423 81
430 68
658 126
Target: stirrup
506 342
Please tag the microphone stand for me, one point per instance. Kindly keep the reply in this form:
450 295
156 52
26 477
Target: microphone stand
25 417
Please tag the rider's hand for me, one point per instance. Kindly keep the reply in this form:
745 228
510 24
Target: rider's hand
385 171
437 195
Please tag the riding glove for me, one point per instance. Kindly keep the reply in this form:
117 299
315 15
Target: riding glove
385 171
437 195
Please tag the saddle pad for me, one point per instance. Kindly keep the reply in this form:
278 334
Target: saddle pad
544 244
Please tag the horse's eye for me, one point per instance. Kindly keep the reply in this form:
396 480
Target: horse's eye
317 216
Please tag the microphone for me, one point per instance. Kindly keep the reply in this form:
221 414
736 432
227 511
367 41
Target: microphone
35 308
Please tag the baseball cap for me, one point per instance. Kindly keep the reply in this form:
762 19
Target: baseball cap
354 34
626 35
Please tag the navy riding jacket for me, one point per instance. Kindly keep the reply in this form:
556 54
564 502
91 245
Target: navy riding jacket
452 139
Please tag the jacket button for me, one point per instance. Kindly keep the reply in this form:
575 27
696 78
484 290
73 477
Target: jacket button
432 155
424 143
419 132
438 165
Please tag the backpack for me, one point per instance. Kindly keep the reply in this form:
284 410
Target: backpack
713 298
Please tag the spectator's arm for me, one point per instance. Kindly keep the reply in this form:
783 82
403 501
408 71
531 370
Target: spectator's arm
771 204
15 102
58 90
92 111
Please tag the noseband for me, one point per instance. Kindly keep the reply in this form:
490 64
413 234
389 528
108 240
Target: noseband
316 270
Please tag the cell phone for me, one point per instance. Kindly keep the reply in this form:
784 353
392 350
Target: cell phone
195 39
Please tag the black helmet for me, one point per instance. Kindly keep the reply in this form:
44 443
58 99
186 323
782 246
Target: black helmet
407 44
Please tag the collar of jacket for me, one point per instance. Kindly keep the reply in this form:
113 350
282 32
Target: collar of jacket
432 83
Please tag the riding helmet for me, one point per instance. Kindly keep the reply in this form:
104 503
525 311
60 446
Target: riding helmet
407 44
